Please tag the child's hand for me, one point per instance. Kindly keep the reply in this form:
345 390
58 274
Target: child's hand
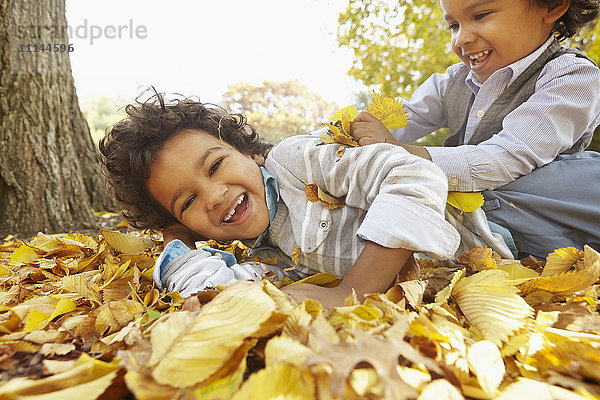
328 297
366 129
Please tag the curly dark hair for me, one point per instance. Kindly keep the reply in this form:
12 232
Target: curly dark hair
579 14
129 148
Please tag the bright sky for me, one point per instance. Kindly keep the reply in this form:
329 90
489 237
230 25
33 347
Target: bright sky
199 47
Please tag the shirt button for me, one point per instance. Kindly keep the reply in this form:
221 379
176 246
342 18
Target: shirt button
323 224
480 113
453 182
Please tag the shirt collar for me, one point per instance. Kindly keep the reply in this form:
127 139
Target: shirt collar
272 197
510 72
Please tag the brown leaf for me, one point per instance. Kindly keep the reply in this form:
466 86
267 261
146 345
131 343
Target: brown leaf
296 255
314 194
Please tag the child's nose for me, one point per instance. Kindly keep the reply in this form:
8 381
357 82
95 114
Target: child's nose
215 196
463 36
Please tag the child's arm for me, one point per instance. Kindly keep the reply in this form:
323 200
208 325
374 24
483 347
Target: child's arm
367 129
373 272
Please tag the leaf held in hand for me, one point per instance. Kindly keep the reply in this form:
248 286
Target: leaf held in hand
388 110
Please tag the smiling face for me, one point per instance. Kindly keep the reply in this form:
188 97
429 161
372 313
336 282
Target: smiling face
490 34
210 187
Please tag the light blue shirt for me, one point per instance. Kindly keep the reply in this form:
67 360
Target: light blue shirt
564 108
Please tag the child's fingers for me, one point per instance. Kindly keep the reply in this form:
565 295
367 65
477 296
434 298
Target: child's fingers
364 116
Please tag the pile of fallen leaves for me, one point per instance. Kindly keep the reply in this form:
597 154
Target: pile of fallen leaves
81 318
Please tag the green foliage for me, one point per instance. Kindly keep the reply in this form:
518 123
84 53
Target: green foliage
278 109
595 144
397 45
588 42
101 113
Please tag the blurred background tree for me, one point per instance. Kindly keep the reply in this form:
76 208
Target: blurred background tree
278 109
398 45
102 112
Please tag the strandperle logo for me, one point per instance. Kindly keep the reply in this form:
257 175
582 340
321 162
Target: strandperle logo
85 30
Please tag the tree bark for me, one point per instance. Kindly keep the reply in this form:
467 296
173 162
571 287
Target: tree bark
49 175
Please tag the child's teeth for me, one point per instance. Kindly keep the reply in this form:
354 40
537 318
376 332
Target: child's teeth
475 56
230 214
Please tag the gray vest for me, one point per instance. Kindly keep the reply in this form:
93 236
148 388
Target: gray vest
458 99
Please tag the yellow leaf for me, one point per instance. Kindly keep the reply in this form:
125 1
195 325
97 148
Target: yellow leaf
525 388
440 389
487 365
443 295
569 282
480 258
321 279
296 255
115 315
23 255
280 381
336 134
388 110
350 111
340 152
561 260
187 350
35 320
80 240
517 272
127 244
5 272
491 305
284 349
465 201
88 379
52 349
314 194
45 243
62 307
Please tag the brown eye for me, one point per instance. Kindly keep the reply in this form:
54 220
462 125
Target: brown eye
188 203
215 166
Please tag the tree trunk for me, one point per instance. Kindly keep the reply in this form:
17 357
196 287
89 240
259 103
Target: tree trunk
49 176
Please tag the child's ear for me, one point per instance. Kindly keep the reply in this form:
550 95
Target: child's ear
557 11
259 159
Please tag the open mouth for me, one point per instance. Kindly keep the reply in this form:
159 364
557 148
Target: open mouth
480 57
237 211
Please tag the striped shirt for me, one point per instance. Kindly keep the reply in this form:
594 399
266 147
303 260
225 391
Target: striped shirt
391 197
564 108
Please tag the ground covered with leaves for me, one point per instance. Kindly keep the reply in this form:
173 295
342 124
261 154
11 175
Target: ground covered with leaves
81 318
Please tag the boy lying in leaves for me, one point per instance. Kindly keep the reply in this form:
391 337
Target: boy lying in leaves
200 173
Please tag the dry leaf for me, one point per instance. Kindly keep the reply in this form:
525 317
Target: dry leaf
296 255
568 282
127 244
480 259
388 110
487 365
314 194
188 351
465 201
491 305
561 260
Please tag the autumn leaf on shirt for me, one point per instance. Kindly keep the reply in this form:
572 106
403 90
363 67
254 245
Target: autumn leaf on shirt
465 201
388 110
339 127
296 255
314 194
